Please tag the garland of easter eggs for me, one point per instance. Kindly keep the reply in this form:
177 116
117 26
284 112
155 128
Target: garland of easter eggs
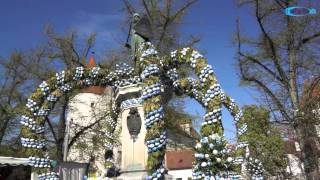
212 156
255 169
43 100
207 91
156 137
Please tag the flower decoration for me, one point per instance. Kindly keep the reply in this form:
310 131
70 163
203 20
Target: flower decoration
39 144
78 73
51 176
39 162
127 82
152 90
255 168
154 116
32 105
52 98
242 129
130 102
30 123
157 143
123 70
151 69
44 88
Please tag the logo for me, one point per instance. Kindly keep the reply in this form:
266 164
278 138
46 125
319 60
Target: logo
299 11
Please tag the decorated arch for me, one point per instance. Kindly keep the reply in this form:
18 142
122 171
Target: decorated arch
213 157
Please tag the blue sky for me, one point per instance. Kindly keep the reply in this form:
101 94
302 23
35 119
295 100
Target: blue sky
23 22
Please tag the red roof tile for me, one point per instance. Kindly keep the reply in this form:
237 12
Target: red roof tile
91 63
179 159
93 89
290 148
314 93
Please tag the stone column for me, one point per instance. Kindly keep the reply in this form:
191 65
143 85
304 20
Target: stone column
134 153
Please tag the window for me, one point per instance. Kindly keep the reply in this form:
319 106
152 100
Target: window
92 104
178 178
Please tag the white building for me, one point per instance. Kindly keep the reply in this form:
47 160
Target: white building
87 114
89 108
292 150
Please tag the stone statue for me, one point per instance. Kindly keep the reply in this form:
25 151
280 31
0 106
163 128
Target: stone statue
139 32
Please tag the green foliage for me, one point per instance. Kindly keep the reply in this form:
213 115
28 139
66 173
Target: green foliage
265 144
278 60
9 150
154 160
175 116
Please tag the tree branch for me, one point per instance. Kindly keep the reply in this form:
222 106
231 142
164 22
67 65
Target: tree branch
281 3
79 133
172 18
128 6
52 129
308 39
271 44
256 61
89 46
147 10
73 49
266 90
256 81
181 10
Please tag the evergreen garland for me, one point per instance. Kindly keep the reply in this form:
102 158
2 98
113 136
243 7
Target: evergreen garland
213 158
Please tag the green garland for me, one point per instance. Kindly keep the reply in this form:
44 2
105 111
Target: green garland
41 101
220 162
213 158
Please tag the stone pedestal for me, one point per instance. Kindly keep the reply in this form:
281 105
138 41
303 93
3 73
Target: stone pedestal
133 152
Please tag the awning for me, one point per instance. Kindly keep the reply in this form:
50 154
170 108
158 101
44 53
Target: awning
12 161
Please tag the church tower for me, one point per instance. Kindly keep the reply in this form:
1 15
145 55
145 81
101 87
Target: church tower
87 115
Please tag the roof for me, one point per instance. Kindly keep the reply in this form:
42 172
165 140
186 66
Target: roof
91 63
290 148
311 90
12 161
93 89
178 139
181 159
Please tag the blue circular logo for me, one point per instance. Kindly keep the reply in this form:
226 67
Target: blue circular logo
299 11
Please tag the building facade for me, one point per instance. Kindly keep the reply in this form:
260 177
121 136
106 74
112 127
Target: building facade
90 107
87 116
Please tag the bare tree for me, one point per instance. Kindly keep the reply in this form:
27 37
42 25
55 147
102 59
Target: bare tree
279 60
62 49
24 71
161 22
19 73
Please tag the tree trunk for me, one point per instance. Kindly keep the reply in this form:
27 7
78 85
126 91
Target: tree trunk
309 150
299 134
61 129
3 129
